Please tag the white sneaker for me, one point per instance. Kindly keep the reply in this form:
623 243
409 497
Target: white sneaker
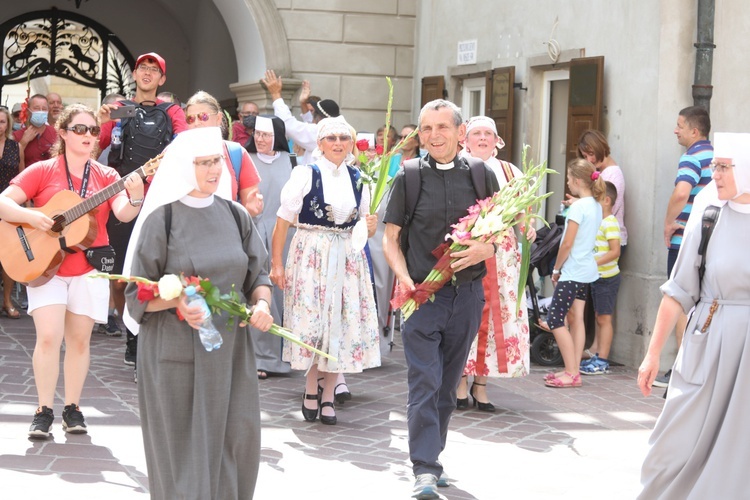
425 488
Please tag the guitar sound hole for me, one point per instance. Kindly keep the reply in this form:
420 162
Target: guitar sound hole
59 224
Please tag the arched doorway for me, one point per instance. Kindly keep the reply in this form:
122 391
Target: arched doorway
67 45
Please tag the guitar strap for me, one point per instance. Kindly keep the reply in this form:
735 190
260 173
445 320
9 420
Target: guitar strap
82 193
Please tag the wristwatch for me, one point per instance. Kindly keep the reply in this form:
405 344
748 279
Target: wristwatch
555 271
136 203
264 300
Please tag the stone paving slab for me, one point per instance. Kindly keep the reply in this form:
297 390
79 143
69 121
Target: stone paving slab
541 443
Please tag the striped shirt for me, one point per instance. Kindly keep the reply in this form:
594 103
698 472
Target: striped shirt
694 169
609 229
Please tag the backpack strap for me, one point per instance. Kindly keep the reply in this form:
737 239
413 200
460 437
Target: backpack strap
168 220
710 216
478 176
412 186
235 155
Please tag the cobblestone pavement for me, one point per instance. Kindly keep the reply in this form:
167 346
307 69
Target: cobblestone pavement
541 443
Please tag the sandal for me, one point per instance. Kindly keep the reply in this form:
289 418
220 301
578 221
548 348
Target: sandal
559 383
551 375
11 312
262 375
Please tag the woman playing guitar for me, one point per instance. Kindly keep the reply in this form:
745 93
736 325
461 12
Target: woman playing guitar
67 305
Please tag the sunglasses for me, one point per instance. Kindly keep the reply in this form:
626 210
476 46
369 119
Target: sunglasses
190 119
81 129
332 138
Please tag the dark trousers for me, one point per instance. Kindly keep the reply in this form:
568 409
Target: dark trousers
437 339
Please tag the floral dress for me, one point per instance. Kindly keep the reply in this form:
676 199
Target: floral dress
328 300
501 347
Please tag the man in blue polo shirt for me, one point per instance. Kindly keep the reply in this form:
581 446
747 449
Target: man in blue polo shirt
693 173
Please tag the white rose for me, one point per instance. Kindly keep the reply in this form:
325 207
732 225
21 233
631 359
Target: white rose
170 287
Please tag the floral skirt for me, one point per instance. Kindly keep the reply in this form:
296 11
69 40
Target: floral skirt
329 304
501 348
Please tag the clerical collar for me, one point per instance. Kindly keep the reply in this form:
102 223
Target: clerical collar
441 166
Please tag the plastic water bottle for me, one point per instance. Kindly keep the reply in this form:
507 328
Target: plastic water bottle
116 138
209 335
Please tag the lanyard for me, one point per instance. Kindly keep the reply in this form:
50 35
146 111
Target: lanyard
84 179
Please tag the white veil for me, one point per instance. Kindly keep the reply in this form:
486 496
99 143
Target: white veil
174 179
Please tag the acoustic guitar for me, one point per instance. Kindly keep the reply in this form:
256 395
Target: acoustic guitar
32 257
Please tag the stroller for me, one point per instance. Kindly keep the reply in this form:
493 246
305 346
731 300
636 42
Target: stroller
544 350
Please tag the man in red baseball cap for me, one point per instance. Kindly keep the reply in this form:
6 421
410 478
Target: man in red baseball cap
149 74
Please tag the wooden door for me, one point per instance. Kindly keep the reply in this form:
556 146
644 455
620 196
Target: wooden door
499 105
584 100
433 87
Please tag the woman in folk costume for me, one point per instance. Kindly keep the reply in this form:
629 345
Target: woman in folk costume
698 446
327 288
501 348
269 151
200 413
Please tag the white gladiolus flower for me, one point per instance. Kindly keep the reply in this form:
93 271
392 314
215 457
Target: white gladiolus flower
170 287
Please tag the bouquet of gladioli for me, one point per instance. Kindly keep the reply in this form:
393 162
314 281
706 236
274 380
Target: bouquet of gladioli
374 172
171 286
487 221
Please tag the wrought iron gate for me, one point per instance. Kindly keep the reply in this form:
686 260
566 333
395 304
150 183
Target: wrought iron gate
67 45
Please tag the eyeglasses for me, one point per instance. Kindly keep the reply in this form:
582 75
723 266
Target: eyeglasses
263 135
209 162
81 129
190 119
149 69
332 138
720 167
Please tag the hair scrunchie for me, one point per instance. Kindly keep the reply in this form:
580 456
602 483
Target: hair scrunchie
595 175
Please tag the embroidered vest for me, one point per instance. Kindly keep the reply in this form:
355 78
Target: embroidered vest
315 211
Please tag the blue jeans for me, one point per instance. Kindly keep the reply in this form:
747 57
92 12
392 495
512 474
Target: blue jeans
437 339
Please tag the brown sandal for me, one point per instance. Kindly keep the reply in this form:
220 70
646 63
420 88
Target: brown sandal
11 312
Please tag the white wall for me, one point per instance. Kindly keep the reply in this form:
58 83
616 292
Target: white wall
649 65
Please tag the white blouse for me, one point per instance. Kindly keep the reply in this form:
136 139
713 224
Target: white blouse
337 191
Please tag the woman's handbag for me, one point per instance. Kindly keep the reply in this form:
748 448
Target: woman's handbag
101 258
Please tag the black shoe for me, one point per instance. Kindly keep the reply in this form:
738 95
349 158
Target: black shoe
462 403
111 329
73 420
343 396
307 413
324 419
488 407
131 351
42 423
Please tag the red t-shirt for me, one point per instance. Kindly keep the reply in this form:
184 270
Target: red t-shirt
175 114
44 179
38 148
249 176
239 133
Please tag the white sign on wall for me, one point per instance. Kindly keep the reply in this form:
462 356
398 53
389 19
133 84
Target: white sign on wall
467 52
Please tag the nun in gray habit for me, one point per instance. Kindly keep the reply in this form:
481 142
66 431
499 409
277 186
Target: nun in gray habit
699 447
199 410
269 151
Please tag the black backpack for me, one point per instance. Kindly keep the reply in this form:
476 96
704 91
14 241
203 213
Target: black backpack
413 186
143 136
